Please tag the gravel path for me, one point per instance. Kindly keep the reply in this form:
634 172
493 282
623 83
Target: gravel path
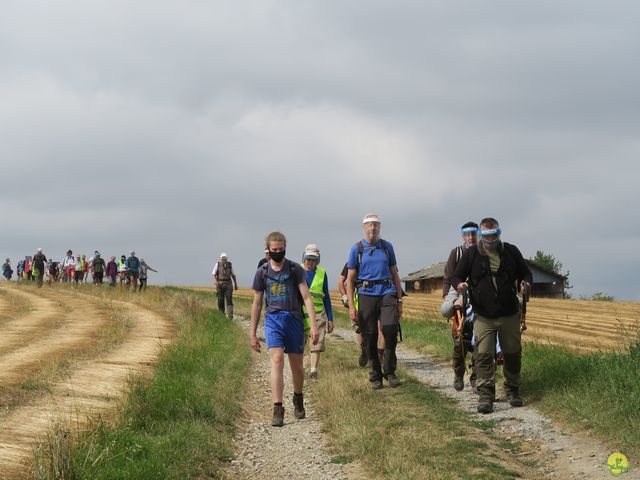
297 450
561 454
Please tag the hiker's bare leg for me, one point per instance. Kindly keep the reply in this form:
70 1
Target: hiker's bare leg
315 358
277 368
297 371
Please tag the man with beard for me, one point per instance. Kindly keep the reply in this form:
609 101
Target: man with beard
493 270
461 345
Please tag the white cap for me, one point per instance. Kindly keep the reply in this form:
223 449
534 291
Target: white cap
40 250
371 218
223 255
311 250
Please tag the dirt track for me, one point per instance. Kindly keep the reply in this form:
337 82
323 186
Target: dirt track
62 324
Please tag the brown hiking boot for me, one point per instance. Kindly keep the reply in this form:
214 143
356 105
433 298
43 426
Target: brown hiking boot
278 416
393 380
298 406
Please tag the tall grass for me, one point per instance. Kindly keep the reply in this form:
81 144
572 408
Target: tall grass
598 391
180 423
410 432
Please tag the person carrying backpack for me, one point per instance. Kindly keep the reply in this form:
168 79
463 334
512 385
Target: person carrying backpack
98 267
112 271
39 263
493 271
224 281
144 274
373 272
283 284
316 278
461 343
7 271
69 267
123 271
20 269
133 266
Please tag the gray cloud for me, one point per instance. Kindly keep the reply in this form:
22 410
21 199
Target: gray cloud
182 129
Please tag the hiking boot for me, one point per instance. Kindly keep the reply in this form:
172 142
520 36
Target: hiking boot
376 384
515 400
485 405
458 383
313 375
393 380
298 406
362 361
278 416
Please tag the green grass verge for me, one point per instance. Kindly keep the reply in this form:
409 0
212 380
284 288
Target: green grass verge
596 391
410 432
180 423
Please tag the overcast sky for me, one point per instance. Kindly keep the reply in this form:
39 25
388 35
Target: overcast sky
184 129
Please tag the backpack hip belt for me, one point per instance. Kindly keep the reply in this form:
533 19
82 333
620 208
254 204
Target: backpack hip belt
371 283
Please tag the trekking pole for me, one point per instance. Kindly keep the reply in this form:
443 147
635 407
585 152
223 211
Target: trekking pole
460 314
525 299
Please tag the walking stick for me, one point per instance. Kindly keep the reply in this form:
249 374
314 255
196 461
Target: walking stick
525 299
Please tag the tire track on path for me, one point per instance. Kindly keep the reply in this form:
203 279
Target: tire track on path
93 387
42 316
48 331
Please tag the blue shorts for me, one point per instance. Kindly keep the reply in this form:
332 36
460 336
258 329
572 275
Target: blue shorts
283 329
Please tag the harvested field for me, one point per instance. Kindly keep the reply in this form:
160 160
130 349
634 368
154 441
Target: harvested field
63 324
578 324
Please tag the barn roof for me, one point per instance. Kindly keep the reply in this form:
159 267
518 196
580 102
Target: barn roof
431 271
540 274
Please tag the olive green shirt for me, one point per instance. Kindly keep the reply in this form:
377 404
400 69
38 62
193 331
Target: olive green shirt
494 264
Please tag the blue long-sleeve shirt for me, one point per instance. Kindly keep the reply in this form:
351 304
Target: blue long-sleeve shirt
325 288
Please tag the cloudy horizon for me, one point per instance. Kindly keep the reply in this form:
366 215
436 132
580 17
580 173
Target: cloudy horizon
184 129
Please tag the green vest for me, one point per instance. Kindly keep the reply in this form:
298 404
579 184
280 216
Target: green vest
316 289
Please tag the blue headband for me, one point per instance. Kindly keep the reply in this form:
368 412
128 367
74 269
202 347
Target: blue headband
468 229
495 231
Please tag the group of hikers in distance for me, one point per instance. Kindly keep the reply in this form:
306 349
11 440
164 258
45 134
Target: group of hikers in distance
483 277
130 271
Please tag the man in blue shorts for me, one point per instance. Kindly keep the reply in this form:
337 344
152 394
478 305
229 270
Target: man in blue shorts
283 282
374 272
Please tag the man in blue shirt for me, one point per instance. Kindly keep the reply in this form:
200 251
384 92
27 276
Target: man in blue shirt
374 272
133 265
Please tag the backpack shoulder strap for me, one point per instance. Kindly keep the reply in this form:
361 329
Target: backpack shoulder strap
360 250
383 242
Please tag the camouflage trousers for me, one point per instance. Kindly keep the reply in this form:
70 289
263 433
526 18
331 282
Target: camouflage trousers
485 331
